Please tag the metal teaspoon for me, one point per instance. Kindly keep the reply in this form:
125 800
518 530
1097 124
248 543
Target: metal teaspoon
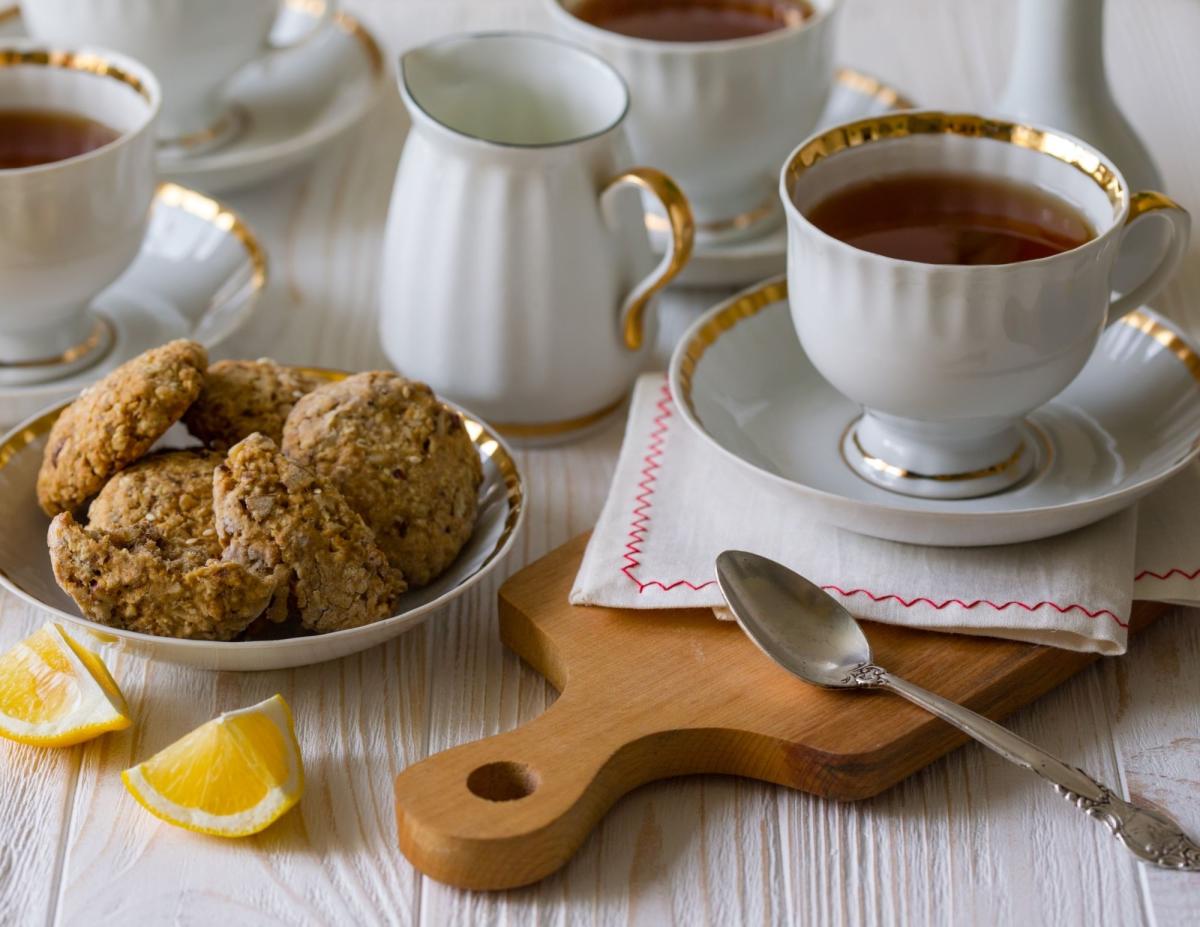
808 633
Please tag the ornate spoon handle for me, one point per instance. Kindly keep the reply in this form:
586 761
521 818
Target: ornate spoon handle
1149 835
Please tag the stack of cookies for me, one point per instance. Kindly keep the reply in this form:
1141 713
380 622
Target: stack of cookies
311 507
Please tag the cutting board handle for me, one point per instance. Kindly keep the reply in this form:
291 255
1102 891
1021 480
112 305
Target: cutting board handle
510 809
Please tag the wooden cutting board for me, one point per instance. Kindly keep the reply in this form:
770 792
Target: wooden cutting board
647 695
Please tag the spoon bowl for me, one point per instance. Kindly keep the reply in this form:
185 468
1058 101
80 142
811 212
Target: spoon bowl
823 645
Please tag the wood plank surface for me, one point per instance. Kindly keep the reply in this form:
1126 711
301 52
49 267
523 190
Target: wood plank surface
969 840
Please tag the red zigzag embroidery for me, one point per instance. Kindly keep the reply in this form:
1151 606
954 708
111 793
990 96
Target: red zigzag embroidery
643 501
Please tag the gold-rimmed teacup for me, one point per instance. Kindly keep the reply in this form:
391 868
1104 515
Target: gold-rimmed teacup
70 227
947 359
195 47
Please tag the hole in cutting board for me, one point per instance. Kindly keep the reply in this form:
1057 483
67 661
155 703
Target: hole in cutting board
503 781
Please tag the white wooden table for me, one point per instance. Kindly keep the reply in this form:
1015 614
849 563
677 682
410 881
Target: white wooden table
970 840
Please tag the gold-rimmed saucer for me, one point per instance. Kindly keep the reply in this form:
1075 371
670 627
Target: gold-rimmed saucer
1128 422
25 562
743 260
199 275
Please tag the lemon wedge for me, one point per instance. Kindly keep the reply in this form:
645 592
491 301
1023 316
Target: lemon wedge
232 776
55 692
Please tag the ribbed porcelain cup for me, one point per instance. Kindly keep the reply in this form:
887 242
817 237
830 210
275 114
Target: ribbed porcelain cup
946 360
516 276
720 116
69 228
194 47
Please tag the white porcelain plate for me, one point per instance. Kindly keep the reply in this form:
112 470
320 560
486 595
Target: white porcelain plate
199 275
1128 422
25 562
291 105
739 263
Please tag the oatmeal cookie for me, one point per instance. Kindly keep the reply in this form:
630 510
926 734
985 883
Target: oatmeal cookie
402 459
241 397
169 491
277 519
135 579
116 421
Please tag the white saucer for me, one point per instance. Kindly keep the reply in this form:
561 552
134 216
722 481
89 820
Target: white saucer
290 107
745 261
1128 422
199 276
25 562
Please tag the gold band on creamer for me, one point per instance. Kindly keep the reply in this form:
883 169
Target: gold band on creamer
907 124
88 62
520 431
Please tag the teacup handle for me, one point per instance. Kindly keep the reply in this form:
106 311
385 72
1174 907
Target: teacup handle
683 233
1157 204
328 11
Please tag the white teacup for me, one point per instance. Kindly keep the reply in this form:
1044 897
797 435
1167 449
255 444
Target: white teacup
947 359
69 228
720 116
194 46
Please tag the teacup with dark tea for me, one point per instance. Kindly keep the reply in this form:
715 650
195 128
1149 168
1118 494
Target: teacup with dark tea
952 218
31 137
77 178
951 273
693 20
721 91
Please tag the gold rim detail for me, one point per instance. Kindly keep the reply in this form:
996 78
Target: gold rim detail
880 465
318 9
520 430
873 87
903 125
683 236
749 303
352 27
195 204
1141 322
88 62
753 301
232 124
215 213
101 331
1148 201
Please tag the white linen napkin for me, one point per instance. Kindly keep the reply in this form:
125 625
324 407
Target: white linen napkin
675 503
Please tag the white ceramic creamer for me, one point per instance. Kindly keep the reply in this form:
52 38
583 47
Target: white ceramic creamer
516 277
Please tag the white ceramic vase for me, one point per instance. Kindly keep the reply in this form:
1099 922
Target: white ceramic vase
1058 78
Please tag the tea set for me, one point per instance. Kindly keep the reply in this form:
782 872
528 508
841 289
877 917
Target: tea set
553 184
